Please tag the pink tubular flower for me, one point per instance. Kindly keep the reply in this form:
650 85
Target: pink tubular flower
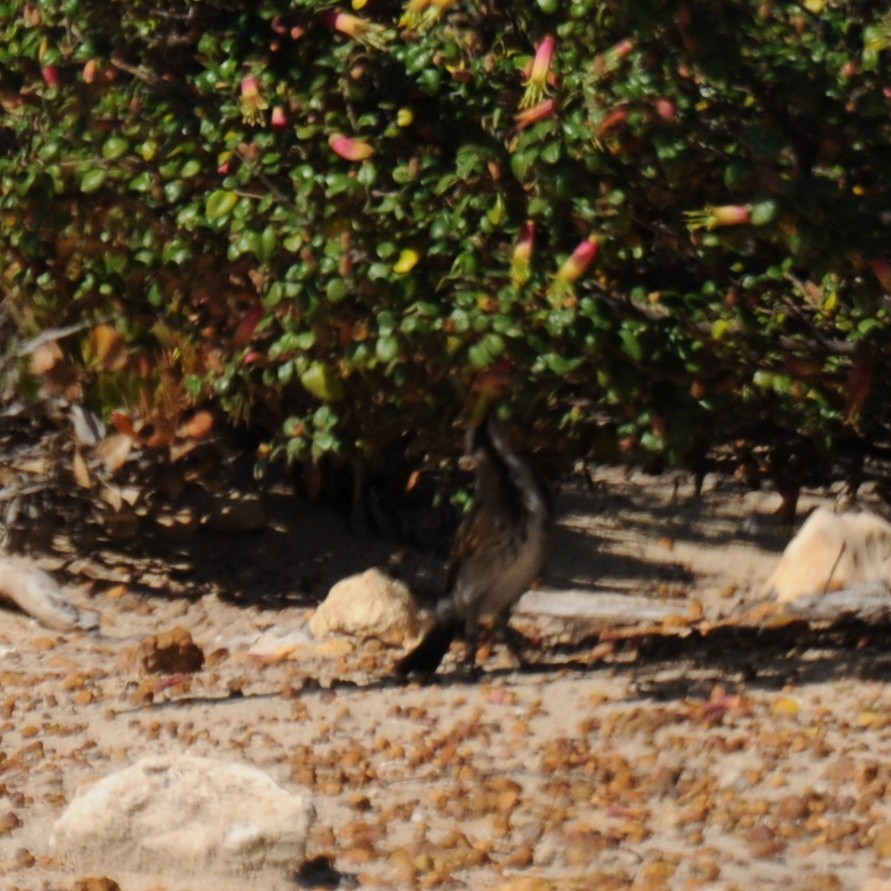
540 112
350 149
369 34
609 60
611 120
718 217
522 256
278 118
413 13
421 15
250 88
582 257
246 327
252 102
573 268
539 73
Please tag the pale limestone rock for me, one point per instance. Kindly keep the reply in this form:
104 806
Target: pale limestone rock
370 604
176 815
833 551
39 595
274 646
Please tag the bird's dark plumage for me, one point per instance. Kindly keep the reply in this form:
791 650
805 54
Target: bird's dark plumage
498 550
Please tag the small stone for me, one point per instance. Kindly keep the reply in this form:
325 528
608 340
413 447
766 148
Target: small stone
8 822
883 841
168 652
92 883
370 604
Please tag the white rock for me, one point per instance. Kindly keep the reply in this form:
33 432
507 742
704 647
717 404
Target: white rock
370 604
833 551
180 815
39 595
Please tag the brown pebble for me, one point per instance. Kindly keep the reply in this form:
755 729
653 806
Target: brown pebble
8 822
168 652
883 841
92 883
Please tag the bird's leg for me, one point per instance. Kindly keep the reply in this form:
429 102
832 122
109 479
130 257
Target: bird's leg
471 634
514 640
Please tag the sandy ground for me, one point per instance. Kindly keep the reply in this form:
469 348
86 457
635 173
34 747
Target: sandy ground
711 750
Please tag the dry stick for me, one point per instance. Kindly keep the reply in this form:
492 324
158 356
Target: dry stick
841 551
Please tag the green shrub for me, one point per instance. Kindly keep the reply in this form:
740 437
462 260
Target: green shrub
327 220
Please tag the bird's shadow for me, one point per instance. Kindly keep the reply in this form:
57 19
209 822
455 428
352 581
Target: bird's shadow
670 666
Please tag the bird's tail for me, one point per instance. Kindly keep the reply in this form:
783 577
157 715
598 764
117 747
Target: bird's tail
426 656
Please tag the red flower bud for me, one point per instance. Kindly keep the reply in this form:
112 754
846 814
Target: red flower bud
612 120
667 110
246 327
522 256
882 270
278 118
91 67
350 149
560 293
581 258
607 61
50 75
540 112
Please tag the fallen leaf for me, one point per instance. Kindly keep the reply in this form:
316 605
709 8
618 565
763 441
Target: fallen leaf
785 706
197 427
883 842
124 425
114 450
111 349
81 471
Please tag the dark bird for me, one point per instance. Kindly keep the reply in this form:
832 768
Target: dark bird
498 551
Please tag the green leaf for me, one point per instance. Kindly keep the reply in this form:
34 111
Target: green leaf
387 348
92 181
115 147
141 183
322 383
631 344
336 290
219 204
